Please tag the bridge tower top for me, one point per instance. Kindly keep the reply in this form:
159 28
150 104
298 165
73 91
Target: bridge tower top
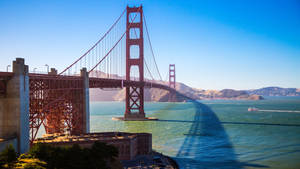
134 25
172 76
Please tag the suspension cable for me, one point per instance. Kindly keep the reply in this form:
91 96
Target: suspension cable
108 52
96 42
115 43
151 48
144 58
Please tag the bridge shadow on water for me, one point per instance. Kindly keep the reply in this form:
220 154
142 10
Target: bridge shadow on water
207 145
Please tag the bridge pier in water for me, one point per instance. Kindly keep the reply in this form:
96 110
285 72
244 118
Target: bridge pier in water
14 107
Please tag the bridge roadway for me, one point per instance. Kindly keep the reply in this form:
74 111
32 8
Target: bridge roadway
74 82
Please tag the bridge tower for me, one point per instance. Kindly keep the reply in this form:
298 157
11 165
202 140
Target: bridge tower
134 94
172 82
172 75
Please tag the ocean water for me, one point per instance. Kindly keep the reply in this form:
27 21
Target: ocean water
215 134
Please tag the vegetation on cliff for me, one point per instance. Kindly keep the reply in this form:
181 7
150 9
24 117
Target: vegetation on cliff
42 156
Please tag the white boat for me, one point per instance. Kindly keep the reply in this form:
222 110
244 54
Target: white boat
253 109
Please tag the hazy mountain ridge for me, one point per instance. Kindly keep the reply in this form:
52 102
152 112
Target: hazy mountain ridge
198 94
163 96
275 91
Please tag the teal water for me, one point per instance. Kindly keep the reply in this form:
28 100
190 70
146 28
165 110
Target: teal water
217 133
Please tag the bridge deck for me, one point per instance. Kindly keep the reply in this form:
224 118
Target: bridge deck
74 82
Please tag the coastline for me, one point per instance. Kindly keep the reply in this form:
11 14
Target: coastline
152 160
173 162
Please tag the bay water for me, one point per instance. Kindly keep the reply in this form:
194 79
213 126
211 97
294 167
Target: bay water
215 133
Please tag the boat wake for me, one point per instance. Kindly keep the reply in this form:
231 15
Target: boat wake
283 111
288 111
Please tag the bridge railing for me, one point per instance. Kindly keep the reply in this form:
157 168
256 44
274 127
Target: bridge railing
38 72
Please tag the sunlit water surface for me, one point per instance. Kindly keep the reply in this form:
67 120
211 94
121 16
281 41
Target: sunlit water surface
215 134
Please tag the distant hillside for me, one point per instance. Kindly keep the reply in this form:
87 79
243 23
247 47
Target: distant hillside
159 95
275 91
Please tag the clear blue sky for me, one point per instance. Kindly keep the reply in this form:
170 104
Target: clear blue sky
218 44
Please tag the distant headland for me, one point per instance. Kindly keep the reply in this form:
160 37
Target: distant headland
158 95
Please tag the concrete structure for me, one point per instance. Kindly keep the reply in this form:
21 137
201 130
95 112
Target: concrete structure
86 102
14 107
53 71
129 144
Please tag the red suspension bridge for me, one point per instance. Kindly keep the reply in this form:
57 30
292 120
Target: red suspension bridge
60 101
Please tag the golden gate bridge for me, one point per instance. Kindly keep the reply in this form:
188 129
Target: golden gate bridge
60 101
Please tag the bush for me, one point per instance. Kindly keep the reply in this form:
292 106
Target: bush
30 163
75 157
8 156
25 156
8 159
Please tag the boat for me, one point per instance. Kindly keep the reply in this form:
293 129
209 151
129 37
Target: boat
253 109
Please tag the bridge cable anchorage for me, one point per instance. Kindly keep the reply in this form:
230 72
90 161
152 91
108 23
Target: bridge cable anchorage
114 45
95 43
147 32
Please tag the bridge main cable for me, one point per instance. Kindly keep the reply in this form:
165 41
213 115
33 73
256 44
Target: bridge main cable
95 43
151 48
113 46
147 67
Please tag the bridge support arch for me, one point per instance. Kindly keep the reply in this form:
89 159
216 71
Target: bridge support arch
69 103
134 95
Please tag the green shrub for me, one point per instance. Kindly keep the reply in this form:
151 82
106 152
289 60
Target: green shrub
30 163
8 156
75 157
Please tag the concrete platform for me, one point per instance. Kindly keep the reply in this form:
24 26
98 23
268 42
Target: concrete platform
135 119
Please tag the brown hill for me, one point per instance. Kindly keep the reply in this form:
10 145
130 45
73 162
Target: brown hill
158 95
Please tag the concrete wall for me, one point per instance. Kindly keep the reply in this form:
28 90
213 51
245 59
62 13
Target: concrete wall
14 110
144 143
3 103
86 101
